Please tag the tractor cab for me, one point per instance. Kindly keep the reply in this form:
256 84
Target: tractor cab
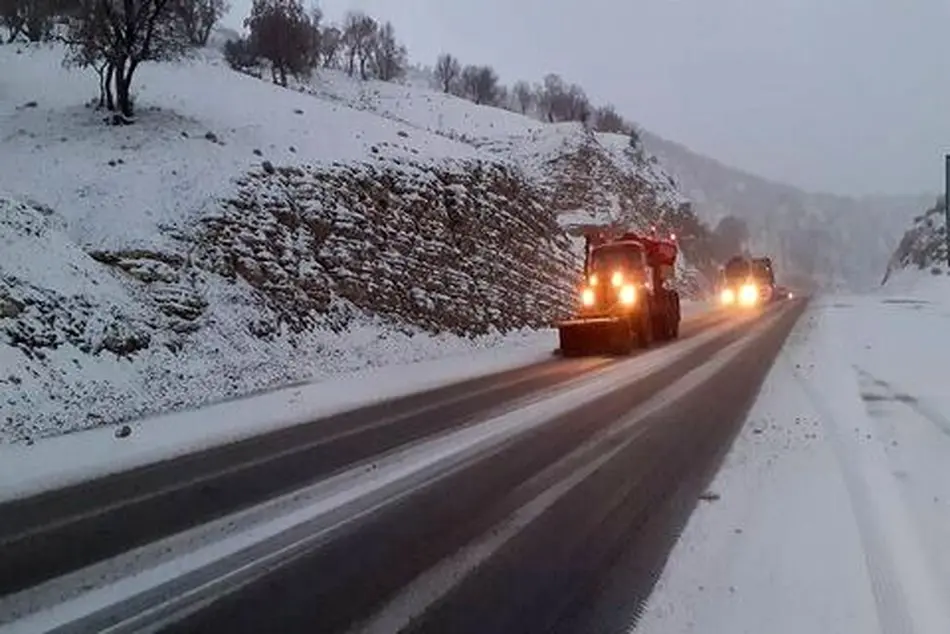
619 260
746 282
626 297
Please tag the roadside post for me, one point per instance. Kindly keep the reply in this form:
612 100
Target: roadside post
946 205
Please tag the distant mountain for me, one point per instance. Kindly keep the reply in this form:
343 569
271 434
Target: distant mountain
835 241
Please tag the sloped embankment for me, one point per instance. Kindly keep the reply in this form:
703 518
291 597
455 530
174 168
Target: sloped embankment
594 179
924 245
466 247
304 271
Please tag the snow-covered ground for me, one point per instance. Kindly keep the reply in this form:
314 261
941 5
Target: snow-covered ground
68 458
200 126
833 507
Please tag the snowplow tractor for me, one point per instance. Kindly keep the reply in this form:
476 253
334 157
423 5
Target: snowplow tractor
746 283
625 302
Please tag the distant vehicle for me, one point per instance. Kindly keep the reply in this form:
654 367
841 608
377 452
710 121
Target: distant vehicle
626 300
747 282
783 293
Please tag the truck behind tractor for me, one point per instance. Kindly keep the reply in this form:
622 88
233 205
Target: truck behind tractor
626 300
747 282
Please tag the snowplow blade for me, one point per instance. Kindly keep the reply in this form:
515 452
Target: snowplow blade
582 337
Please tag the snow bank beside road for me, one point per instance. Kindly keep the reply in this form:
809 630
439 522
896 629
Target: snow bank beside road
834 502
62 459
749 560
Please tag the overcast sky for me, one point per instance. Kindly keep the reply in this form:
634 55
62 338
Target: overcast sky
850 96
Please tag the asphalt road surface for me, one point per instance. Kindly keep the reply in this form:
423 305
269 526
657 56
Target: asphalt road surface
564 528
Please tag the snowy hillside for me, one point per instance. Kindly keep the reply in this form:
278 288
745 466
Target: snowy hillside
588 178
833 240
241 235
585 172
923 246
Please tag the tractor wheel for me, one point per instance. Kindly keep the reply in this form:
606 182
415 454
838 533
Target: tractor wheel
624 338
645 330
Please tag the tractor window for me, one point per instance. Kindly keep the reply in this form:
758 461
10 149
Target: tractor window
624 257
736 269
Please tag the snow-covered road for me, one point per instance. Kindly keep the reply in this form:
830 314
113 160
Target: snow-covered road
832 512
233 515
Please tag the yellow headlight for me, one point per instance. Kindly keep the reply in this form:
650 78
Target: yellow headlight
628 295
617 278
748 294
587 297
593 280
728 296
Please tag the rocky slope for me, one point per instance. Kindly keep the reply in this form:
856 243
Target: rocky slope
923 247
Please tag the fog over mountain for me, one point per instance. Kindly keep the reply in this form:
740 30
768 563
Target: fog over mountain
835 241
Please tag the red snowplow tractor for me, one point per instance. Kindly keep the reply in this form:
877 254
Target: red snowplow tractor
746 282
625 301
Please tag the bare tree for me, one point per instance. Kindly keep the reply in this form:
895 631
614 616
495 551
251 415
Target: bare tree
523 96
198 18
390 58
480 84
31 18
331 42
606 119
503 98
282 33
447 72
559 101
11 18
313 40
635 142
576 105
240 55
118 35
359 36
549 96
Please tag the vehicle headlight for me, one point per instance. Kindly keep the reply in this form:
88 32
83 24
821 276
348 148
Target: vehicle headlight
628 295
617 279
593 280
748 294
728 296
587 297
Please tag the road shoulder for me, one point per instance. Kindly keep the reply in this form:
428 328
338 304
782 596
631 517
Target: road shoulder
776 546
